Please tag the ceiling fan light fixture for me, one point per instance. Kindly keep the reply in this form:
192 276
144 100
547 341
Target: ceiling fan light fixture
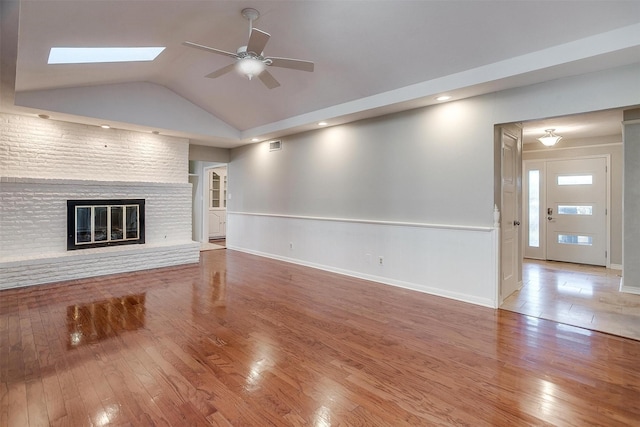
549 138
250 67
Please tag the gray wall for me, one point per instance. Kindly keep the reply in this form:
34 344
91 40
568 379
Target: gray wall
611 145
433 165
631 261
208 154
429 165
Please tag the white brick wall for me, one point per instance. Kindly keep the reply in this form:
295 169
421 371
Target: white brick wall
44 163
33 213
36 148
96 262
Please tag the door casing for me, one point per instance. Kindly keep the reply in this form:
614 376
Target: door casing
541 253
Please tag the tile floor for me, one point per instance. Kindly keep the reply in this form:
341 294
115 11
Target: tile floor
578 295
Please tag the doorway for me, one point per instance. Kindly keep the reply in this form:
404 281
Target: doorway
566 208
201 180
217 203
583 292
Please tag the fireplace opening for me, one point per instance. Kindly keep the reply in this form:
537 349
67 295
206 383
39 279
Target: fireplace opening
97 223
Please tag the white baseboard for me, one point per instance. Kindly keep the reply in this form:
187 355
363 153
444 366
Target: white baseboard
615 266
629 289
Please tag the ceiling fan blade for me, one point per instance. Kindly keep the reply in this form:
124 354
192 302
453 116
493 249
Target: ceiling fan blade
257 41
268 80
294 64
221 71
210 49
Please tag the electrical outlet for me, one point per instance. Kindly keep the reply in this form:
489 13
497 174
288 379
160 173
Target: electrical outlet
290 245
380 260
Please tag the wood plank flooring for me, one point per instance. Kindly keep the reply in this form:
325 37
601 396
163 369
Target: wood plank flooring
579 295
240 340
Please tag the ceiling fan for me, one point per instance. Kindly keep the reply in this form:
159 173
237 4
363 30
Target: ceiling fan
250 59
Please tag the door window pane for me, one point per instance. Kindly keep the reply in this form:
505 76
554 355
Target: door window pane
573 239
575 179
575 210
534 208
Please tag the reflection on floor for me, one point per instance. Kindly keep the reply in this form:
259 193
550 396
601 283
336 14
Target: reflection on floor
578 295
206 246
213 244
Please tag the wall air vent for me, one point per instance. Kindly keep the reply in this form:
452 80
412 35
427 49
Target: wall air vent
275 145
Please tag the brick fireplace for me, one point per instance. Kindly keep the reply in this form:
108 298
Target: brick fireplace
45 163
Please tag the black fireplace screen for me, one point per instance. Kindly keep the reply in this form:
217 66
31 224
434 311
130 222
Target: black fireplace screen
95 223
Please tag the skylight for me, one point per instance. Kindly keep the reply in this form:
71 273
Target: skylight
87 55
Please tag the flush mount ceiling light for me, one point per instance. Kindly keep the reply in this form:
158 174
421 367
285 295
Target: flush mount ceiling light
88 55
443 98
322 123
105 126
549 138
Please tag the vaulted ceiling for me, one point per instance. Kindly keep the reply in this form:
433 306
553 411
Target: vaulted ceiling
371 58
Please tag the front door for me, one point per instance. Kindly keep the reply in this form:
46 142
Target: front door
576 211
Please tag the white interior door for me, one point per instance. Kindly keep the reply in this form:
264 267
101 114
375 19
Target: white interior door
576 211
217 202
509 227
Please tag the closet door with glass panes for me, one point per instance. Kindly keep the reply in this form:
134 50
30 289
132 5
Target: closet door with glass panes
217 203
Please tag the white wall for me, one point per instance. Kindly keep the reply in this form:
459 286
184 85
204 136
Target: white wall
430 169
45 163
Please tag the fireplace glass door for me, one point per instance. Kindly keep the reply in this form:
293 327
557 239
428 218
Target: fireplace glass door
103 223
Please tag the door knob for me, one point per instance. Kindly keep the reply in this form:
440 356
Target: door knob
516 223
549 218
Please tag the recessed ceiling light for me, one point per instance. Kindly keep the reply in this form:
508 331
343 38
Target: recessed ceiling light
43 116
105 126
443 98
255 139
322 123
87 55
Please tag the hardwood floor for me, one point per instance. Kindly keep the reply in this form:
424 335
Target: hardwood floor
247 341
579 295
